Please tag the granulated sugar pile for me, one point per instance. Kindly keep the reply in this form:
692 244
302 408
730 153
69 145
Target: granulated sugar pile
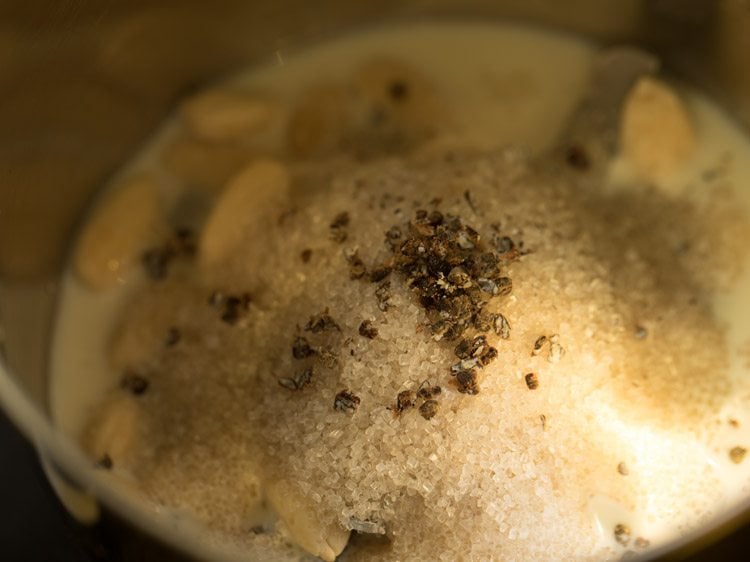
315 369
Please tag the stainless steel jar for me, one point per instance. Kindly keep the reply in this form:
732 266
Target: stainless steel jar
83 82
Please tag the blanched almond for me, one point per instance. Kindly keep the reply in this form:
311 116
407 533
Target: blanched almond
324 539
245 210
222 115
656 132
114 432
120 230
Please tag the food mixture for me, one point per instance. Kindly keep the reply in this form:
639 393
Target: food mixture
432 292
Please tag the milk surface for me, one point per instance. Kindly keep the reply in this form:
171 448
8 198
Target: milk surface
505 85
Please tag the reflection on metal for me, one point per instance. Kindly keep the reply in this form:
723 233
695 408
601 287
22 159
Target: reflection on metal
79 504
2 340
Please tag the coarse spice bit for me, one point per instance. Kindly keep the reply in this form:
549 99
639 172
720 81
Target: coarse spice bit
366 526
474 347
346 401
383 295
426 390
357 269
134 383
299 381
341 220
539 345
577 157
470 201
622 534
428 409
380 273
404 401
173 337
454 276
156 260
555 351
502 244
321 322
327 356
501 326
231 307
338 227
483 321
532 381
737 454
301 348
467 382
399 90
368 330
288 383
156 263
104 462
234 307
487 356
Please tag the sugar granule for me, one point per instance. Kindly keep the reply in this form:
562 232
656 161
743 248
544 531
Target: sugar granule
455 476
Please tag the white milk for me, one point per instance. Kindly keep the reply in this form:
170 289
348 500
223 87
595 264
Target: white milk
505 85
